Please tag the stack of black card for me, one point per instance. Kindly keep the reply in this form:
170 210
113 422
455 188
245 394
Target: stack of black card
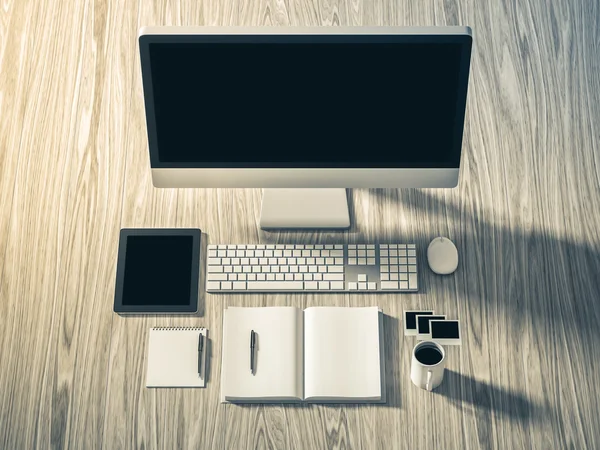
426 325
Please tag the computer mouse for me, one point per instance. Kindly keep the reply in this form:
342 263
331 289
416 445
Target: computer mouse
442 256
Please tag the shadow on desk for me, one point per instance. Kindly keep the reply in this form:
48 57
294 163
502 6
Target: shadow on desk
545 284
463 390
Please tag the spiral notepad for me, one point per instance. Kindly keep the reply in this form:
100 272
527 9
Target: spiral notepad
173 357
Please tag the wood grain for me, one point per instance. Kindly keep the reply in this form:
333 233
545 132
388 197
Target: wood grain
74 170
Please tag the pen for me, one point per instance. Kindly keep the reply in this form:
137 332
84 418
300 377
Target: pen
200 347
252 342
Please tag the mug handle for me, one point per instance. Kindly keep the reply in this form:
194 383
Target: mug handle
428 384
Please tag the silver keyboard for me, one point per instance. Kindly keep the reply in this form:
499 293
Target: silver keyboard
312 268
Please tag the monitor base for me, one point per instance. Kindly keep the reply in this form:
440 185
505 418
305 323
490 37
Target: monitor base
304 208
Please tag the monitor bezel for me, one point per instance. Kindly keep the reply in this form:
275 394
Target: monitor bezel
152 35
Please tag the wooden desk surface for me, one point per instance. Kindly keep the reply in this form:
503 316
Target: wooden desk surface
74 169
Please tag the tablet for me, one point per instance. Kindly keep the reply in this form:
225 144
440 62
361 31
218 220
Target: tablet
158 271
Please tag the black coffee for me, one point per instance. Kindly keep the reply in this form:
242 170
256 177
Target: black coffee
428 356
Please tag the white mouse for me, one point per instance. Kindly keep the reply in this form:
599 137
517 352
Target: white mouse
442 256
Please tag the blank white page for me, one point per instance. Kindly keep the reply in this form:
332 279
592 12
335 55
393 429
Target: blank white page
278 372
341 353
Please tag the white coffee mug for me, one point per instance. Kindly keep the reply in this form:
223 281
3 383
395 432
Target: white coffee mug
428 363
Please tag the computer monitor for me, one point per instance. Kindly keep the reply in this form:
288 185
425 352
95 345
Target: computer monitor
320 109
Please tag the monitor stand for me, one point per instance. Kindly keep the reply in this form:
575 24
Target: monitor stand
304 208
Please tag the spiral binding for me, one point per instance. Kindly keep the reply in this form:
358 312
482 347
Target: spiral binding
178 328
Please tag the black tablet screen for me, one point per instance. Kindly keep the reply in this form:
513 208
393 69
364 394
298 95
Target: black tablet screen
444 330
158 270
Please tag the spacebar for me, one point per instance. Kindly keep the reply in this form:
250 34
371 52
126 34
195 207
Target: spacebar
275 285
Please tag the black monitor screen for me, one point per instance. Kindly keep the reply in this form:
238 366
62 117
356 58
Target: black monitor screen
299 104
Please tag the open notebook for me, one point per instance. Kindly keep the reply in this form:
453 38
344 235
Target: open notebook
321 354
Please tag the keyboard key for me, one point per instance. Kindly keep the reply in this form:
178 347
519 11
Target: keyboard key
294 269
389 285
412 281
259 253
284 269
212 253
312 285
246 269
221 253
352 286
402 253
249 253
384 269
325 253
319 246
337 253
287 253
268 253
412 269
394 252
252 276
235 261
339 261
226 285
231 253
317 276
384 253
278 253
333 276
216 277
263 261
329 246
301 261
255 269
237 269
362 286
362 261
270 277
307 276
403 277
385 276
275 269
403 285
265 269
352 253
403 261
362 253
298 276
313 269
372 286
297 253
215 269
393 261
310 261
305 253
371 253
242 276
275 285
279 277
412 260
370 246
289 276
393 277
213 285
245 261
352 246
323 285
272 261
335 269
330 261
384 261
410 246
337 285
322 269
303 269
289 246
320 261
261 276
362 277
282 261
214 261
315 253
370 261
232 277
